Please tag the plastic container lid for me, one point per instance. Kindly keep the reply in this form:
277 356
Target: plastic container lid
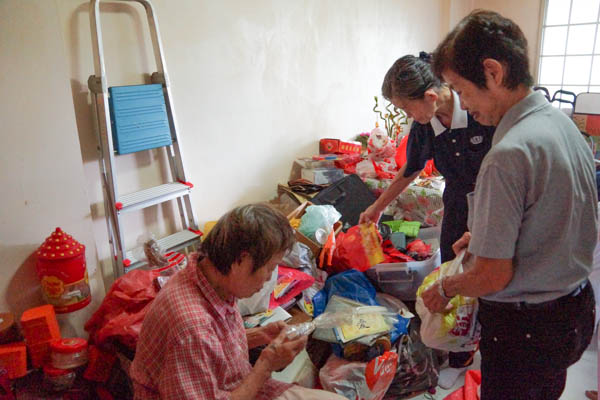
68 345
49 370
60 246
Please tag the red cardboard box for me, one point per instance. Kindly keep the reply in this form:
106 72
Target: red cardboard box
337 146
13 357
349 147
40 325
329 146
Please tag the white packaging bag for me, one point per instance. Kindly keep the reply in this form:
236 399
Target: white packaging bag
457 329
259 301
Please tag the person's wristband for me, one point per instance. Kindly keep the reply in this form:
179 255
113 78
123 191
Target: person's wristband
441 290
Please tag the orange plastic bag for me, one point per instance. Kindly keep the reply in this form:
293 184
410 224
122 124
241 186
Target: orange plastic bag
359 248
469 391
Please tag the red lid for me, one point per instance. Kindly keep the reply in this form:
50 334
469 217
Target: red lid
51 371
60 246
68 345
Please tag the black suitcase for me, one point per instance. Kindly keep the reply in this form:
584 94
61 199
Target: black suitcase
350 196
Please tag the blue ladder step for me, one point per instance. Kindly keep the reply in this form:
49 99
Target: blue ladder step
139 118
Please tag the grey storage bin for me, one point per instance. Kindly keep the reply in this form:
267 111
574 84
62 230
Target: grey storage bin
403 279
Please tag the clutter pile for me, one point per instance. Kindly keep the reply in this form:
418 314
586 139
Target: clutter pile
352 287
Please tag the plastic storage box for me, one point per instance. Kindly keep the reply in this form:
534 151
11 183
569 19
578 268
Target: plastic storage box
403 279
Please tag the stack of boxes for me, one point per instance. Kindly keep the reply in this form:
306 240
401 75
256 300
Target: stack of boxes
40 328
13 358
13 354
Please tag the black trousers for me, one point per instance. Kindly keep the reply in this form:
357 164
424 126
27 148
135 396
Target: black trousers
525 352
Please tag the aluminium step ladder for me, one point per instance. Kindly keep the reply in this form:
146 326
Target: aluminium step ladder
129 119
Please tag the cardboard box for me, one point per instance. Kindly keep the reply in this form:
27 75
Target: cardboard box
337 146
40 325
329 146
347 147
312 245
13 357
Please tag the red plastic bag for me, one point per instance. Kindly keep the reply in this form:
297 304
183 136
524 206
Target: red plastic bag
122 311
400 158
359 248
469 391
393 255
401 152
290 283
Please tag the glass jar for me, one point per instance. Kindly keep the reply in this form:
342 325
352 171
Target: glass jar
69 353
57 379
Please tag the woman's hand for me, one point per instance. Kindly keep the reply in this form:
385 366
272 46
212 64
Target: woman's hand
371 214
281 351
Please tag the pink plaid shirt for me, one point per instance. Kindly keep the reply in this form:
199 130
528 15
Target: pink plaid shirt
193 344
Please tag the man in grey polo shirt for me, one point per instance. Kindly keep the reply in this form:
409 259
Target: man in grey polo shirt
532 217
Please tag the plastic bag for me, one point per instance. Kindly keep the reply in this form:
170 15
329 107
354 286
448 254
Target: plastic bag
123 309
456 330
355 286
306 302
357 380
418 369
359 248
326 320
469 390
380 145
290 283
365 170
259 301
318 217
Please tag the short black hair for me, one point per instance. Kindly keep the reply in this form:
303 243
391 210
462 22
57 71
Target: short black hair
484 34
257 229
409 77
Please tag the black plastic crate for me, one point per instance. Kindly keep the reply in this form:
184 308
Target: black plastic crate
350 196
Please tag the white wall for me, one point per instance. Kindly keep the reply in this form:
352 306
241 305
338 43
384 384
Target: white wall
42 180
525 13
255 85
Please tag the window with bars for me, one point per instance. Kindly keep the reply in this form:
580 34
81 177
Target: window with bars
570 48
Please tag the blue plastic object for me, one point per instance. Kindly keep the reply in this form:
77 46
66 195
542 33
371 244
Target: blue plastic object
353 285
139 118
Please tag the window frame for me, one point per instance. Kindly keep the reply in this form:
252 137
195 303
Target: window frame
595 56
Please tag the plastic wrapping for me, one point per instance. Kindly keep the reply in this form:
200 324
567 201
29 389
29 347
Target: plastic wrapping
326 320
316 217
150 251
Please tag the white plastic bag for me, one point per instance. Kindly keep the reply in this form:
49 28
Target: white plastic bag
456 330
359 380
259 301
